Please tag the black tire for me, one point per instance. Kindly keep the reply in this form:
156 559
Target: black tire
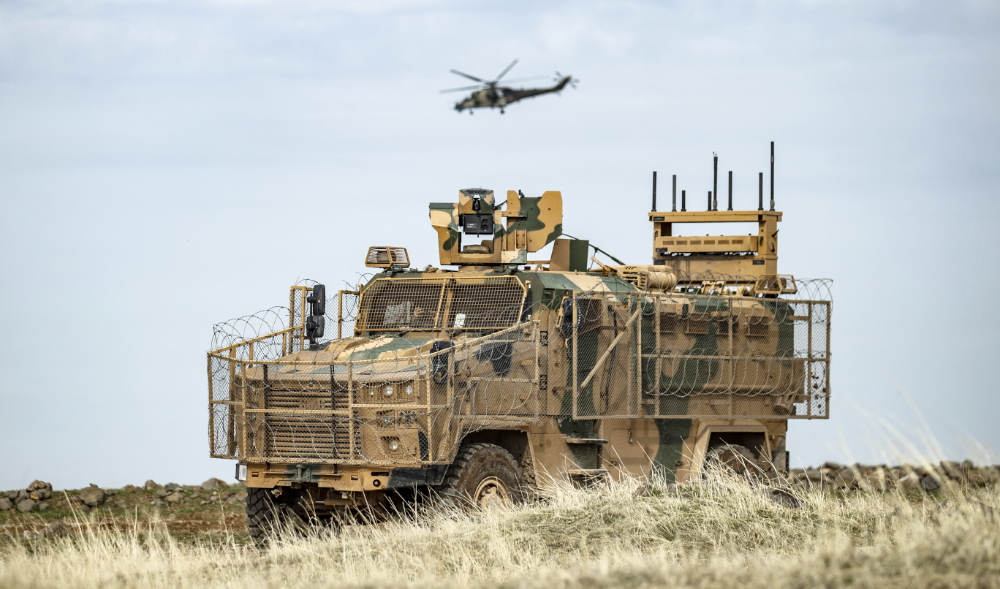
529 486
481 476
734 458
269 515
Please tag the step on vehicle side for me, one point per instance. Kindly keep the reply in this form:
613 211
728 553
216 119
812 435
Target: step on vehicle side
480 381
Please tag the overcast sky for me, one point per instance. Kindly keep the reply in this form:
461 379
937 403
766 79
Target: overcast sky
166 165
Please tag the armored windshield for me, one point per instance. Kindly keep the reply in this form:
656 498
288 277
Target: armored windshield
450 303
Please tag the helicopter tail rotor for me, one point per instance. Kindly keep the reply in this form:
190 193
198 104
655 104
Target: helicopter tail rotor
562 80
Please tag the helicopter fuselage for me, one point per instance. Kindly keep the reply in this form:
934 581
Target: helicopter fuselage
501 96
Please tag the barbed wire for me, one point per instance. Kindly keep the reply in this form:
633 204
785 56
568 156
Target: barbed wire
399 399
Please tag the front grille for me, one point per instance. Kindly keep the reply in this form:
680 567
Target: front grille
292 434
300 437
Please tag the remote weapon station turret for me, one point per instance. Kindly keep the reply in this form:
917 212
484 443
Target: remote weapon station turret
485 379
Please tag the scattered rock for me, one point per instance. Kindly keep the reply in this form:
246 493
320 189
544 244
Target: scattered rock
929 483
43 506
161 493
906 477
25 505
877 478
151 485
39 490
56 529
212 484
910 482
175 497
53 530
92 496
952 470
978 478
6 504
784 498
846 479
814 475
171 486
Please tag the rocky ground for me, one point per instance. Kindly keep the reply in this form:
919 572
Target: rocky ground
907 477
188 511
214 509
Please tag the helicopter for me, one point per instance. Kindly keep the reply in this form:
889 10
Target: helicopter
488 95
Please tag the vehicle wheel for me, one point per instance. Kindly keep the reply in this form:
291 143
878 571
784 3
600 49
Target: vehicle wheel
483 476
736 459
268 515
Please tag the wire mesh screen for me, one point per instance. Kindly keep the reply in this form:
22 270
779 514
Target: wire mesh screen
393 407
606 366
346 303
248 341
341 308
397 304
690 355
426 374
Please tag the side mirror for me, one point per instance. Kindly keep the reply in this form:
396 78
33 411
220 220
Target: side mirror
314 327
317 300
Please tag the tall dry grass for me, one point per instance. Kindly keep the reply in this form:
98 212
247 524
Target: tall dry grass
719 533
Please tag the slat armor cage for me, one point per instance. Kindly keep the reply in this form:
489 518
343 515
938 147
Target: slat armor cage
696 356
480 357
396 409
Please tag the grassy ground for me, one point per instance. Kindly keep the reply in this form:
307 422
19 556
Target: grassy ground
715 534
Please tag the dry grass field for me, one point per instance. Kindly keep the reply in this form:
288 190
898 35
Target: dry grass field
720 533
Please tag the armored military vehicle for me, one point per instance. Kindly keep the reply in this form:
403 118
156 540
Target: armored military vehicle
501 372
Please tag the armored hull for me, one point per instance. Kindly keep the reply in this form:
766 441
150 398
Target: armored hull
552 368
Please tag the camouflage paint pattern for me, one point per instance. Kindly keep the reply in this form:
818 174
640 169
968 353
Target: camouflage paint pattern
661 422
500 97
531 223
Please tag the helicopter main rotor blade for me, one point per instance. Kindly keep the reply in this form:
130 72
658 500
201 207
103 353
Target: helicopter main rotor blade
506 69
463 74
462 89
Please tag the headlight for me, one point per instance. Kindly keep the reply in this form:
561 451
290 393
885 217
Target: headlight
409 390
391 444
387 391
